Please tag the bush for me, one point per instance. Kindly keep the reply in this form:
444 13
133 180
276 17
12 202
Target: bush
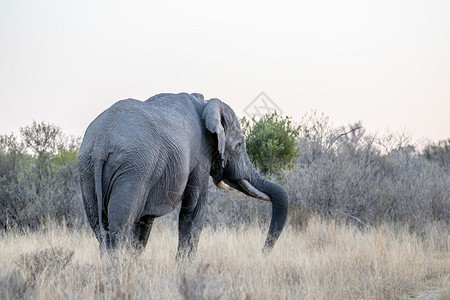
32 269
347 174
337 172
271 142
439 153
38 178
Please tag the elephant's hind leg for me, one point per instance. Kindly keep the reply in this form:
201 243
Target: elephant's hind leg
125 203
142 230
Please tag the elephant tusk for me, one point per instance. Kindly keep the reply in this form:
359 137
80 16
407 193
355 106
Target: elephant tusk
222 185
249 188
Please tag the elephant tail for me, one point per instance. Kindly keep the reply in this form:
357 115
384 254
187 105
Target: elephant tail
98 172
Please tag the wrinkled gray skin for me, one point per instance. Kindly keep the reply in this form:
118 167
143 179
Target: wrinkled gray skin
140 159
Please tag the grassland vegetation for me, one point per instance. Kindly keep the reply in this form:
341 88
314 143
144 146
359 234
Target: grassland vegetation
325 260
369 218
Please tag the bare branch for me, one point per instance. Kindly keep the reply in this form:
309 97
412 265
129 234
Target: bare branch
353 217
341 135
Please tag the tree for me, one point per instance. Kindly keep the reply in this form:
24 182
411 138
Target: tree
41 138
271 142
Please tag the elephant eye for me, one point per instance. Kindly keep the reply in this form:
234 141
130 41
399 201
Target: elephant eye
238 146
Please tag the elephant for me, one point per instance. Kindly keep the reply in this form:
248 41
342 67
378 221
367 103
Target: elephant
140 159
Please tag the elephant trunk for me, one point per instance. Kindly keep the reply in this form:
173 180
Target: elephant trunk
268 190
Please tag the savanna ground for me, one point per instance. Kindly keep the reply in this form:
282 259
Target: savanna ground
323 260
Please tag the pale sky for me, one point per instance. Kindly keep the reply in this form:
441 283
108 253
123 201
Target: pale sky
385 63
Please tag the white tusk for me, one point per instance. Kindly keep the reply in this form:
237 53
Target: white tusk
249 188
222 185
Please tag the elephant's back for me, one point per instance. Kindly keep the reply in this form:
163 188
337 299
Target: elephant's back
166 112
140 130
125 124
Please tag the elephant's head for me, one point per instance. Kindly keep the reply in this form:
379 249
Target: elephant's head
231 164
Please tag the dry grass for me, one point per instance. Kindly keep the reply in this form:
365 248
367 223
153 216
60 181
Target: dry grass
323 261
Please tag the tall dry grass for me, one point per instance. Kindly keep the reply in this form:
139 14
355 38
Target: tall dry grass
324 260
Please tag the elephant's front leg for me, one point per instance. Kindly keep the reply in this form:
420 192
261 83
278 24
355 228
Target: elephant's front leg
191 217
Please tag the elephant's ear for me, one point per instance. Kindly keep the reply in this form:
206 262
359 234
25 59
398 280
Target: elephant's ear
213 116
198 95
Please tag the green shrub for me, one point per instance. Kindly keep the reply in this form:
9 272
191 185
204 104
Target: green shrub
271 142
